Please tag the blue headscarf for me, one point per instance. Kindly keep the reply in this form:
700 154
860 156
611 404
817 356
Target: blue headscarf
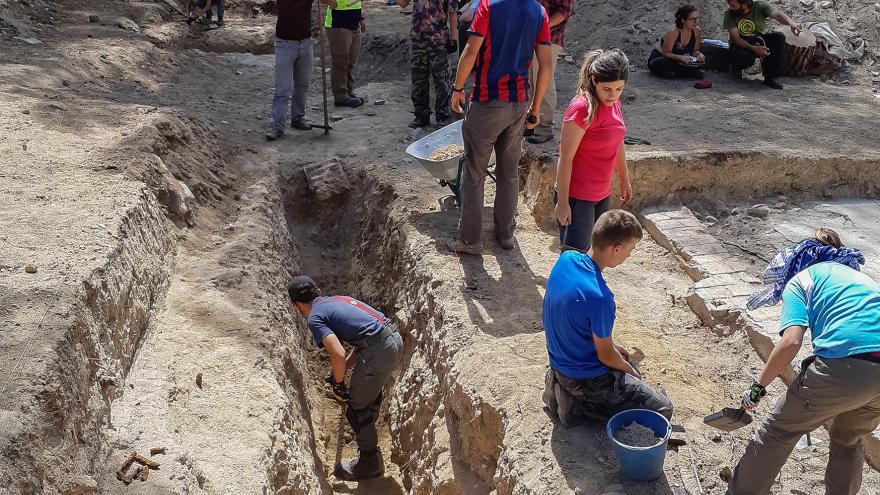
791 260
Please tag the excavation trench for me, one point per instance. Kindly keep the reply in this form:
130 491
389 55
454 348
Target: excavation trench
355 243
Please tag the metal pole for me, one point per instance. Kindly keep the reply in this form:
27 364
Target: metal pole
323 69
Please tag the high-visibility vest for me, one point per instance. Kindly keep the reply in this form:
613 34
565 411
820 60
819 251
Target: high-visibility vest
341 5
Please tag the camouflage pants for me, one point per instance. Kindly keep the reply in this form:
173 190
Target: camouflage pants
572 401
430 61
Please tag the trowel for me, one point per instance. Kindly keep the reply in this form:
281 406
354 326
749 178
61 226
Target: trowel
728 419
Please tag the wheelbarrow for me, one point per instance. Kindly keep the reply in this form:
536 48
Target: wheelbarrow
448 172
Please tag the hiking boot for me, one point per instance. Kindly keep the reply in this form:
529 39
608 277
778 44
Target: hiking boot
365 466
460 247
507 244
349 102
358 97
420 122
538 139
274 134
220 23
773 83
300 124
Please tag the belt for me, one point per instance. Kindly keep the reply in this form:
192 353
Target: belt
372 340
868 356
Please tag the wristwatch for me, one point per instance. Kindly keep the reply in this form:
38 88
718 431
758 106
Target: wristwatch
460 90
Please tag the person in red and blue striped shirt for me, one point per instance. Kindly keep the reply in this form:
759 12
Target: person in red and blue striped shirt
502 39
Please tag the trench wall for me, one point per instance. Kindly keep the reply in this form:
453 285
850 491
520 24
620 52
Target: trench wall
708 178
67 389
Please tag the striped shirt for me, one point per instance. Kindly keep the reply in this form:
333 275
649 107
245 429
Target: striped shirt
511 29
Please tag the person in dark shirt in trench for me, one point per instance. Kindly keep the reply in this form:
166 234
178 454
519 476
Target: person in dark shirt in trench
376 350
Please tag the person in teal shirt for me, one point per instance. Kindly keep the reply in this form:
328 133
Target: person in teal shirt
839 384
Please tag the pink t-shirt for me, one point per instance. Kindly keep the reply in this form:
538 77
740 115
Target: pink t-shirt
593 161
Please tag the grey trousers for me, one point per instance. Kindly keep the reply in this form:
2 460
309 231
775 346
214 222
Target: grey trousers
293 68
372 372
548 104
572 401
494 125
845 390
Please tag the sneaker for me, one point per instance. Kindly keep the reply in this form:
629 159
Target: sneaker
349 102
300 124
274 134
460 247
357 97
219 23
773 83
420 122
538 139
365 466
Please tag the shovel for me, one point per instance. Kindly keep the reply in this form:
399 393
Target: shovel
728 419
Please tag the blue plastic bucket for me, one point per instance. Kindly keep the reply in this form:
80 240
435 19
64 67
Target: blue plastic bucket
640 463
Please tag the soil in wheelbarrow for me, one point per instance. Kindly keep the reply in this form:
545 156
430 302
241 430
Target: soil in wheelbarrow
636 435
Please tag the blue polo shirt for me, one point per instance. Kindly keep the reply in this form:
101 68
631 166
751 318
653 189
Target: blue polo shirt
351 320
577 306
841 307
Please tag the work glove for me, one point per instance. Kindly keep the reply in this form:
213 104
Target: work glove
340 391
752 395
451 46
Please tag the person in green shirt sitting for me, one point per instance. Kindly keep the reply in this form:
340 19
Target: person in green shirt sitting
746 20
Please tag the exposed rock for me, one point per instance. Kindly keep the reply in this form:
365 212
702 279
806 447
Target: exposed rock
81 485
128 25
759 211
30 269
28 41
94 18
326 179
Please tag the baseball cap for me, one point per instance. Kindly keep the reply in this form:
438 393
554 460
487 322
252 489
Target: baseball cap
302 289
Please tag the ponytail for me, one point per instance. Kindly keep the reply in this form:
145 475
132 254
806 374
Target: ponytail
600 66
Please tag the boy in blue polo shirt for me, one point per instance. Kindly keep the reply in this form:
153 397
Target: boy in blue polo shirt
840 384
590 375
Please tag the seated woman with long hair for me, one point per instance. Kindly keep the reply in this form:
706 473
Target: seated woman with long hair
678 54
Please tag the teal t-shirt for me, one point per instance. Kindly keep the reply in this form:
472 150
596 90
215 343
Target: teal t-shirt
841 306
752 24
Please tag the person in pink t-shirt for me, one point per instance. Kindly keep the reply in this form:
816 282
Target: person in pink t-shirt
591 148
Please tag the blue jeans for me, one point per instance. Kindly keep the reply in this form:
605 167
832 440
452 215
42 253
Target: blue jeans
293 67
578 234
